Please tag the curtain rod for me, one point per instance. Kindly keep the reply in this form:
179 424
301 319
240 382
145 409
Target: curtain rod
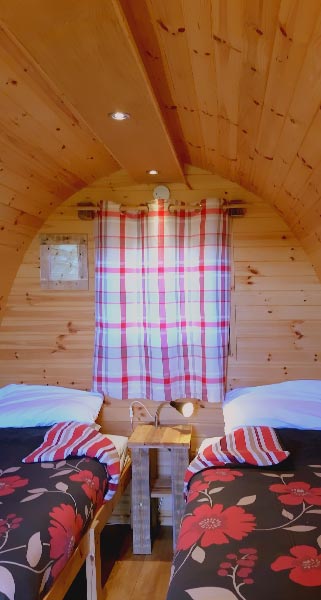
88 211
175 206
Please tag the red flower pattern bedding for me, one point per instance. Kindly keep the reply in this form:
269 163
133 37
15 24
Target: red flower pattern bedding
252 532
45 507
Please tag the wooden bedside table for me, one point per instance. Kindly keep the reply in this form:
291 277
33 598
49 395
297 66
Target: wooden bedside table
176 439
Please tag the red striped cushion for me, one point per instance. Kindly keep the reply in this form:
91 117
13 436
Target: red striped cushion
77 439
252 445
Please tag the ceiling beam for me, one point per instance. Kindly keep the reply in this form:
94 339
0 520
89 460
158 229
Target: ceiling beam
87 50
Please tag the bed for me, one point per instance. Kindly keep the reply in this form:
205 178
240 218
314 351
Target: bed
59 482
252 523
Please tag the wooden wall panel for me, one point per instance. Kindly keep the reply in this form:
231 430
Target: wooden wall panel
234 87
276 296
47 336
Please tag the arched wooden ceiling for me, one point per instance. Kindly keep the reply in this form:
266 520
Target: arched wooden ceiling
231 86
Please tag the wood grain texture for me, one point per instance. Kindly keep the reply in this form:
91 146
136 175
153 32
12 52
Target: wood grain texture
48 337
179 462
138 577
231 87
226 85
141 509
156 437
176 440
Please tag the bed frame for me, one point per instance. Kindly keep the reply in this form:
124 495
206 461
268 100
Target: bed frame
88 550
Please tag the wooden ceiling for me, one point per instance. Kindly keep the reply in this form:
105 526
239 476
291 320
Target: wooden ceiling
230 86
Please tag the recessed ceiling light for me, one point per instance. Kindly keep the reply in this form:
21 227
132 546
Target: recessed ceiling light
119 116
152 172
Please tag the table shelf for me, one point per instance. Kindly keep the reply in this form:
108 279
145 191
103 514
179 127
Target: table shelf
162 486
143 441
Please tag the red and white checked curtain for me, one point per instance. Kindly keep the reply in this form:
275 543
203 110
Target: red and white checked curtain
162 303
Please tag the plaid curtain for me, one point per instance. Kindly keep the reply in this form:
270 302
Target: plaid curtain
162 302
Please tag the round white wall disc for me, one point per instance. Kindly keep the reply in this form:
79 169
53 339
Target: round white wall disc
161 191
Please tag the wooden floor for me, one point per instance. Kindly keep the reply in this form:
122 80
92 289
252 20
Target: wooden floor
141 577
131 576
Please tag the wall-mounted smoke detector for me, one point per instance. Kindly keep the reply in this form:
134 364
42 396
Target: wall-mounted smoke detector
161 191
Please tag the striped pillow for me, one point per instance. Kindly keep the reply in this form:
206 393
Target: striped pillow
77 439
251 445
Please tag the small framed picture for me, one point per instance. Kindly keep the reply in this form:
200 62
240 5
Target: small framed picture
63 261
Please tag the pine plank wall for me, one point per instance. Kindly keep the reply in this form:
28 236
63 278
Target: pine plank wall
46 337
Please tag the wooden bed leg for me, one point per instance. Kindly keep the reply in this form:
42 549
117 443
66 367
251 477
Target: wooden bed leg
93 567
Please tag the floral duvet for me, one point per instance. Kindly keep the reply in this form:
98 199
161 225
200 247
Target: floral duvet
44 509
253 533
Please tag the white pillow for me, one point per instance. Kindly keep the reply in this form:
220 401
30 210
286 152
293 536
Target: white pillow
207 442
288 404
23 405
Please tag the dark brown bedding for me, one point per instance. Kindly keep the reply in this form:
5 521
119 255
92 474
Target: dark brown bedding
253 533
44 510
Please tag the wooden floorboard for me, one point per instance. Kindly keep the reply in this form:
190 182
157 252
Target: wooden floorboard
141 577
131 576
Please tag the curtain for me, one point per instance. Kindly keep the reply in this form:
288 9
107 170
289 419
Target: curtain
162 302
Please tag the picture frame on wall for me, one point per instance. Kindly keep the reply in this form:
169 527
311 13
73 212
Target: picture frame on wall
63 261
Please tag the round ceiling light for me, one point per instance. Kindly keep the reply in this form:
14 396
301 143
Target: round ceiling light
119 116
152 172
